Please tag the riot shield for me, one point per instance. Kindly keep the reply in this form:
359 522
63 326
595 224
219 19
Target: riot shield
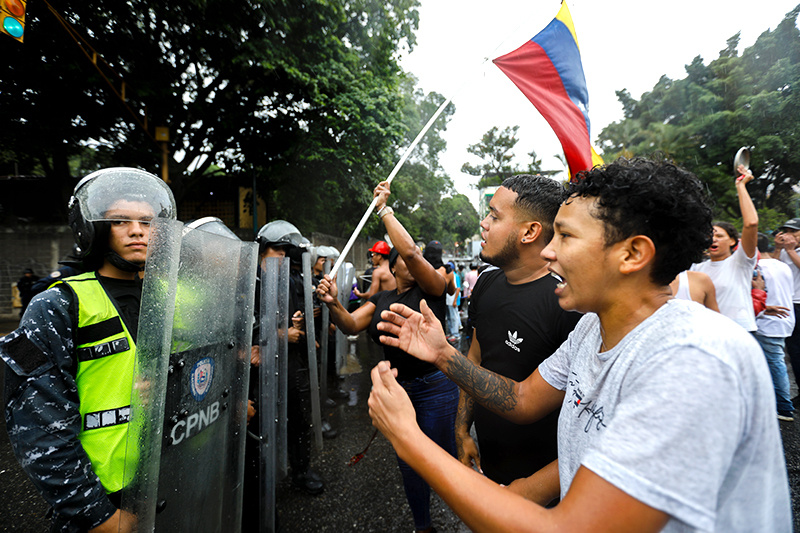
326 320
189 402
272 389
344 284
311 344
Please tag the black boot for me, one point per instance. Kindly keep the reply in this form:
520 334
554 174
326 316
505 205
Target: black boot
327 431
309 481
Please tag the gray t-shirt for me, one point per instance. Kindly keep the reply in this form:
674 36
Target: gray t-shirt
680 415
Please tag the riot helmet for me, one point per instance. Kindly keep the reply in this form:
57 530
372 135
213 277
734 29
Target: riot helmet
317 252
98 193
325 251
213 225
278 233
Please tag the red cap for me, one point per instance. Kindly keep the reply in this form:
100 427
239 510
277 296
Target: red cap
380 247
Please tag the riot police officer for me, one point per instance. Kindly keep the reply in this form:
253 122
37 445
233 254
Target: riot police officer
69 369
277 239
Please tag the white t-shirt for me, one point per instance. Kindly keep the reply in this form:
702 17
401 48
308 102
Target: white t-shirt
680 415
732 278
795 275
683 292
780 289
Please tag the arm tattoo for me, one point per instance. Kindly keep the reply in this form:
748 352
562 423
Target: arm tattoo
466 405
491 390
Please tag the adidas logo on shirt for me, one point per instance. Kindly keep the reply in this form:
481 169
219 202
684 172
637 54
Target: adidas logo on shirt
513 341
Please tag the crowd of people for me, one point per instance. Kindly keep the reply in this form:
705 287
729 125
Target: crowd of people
636 377
610 319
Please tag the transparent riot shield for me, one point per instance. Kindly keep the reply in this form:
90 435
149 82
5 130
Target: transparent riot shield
344 284
189 403
311 344
272 389
326 320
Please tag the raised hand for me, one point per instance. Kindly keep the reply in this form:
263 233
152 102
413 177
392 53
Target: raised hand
389 405
745 175
418 334
381 192
327 290
788 240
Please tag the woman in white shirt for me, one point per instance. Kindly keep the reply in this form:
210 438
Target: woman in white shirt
731 261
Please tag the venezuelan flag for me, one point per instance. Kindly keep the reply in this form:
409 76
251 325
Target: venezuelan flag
549 72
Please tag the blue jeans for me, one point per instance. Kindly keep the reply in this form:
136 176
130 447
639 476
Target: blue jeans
435 399
773 351
453 321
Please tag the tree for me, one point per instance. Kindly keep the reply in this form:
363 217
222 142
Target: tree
460 221
303 95
422 195
702 120
496 150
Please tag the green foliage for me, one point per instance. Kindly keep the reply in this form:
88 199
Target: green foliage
702 120
307 97
303 95
769 220
460 220
495 149
422 196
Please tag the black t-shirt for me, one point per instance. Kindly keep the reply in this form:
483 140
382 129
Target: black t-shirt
517 327
408 367
126 294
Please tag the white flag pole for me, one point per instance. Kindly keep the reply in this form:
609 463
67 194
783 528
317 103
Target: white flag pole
394 172
399 165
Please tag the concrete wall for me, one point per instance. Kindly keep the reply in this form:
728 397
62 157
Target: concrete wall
36 247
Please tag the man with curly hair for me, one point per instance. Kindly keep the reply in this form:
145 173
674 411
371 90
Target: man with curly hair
666 418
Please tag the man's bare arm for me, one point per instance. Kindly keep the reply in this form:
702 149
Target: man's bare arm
421 335
465 445
495 392
592 503
542 487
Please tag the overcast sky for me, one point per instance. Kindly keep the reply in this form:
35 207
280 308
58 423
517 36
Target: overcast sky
625 44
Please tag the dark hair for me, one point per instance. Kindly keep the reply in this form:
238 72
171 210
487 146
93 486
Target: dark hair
765 243
538 198
730 229
433 254
655 198
393 255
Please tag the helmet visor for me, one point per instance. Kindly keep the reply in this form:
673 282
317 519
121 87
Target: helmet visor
213 225
279 232
124 194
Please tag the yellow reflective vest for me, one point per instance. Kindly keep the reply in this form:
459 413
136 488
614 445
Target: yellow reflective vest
105 354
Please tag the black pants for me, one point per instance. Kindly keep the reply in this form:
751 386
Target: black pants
793 346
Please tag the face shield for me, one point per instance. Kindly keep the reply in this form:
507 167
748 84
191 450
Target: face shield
279 233
123 194
213 225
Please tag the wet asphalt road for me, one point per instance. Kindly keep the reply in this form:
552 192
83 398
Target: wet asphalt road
366 497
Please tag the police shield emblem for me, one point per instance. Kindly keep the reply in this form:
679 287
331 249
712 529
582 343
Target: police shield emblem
202 374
